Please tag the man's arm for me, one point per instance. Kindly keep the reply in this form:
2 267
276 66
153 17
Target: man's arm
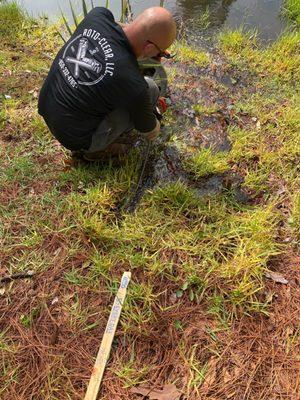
142 115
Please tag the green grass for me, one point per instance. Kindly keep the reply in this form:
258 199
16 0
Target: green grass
291 9
204 252
12 18
294 220
216 238
197 372
188 54
273 146
279 60
236 41
202 109
205 162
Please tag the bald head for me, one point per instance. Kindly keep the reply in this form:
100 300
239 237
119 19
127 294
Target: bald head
157 24
153 29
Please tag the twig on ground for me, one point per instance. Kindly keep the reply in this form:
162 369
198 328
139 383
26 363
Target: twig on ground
18 275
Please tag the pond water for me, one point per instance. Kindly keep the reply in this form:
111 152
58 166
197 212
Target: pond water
263 15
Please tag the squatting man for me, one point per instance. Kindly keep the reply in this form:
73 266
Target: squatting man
95 92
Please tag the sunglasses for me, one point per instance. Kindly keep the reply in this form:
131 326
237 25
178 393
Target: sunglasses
161 53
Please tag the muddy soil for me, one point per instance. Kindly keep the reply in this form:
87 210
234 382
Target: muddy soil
216 88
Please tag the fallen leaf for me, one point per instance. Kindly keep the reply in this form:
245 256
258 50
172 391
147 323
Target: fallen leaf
276 277
6 73
289 331
237 371
87 264
213 68
227 376
169 392
80 185
142 390
54 301
173 298
57 251
269 297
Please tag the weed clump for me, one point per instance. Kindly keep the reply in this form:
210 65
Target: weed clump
205 163
235 41
12 18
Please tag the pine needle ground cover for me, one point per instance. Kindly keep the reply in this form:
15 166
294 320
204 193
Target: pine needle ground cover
221 219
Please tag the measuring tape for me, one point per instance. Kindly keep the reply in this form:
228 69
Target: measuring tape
108 337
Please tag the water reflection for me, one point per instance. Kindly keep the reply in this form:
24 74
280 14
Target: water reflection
218 9
261 14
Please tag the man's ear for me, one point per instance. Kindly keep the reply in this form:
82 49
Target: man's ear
148 48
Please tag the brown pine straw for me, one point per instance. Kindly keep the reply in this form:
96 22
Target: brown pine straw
258 355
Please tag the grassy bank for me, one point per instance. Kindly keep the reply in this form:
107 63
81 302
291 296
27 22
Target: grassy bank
292 10
12 18
200 312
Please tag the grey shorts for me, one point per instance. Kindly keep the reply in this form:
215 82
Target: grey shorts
117 122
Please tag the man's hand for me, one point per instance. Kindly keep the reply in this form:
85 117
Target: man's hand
154 133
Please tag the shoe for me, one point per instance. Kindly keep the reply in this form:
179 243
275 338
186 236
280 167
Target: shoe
77 154
113 150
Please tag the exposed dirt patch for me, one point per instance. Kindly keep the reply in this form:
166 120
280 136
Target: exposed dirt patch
205 129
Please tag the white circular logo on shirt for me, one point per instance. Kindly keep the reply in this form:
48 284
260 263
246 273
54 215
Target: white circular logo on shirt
79 62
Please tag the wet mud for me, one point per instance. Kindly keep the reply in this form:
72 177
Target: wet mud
216 88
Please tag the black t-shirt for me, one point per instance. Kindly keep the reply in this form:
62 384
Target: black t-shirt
94 73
